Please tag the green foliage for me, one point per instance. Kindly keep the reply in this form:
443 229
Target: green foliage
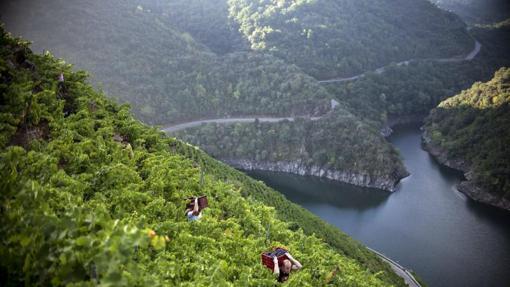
183 60
154 56
206 21
412 90
338 142
473 127
405 90
328 38
90 196
476 11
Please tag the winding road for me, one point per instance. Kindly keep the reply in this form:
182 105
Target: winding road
398 269
468 57
187 125
191 124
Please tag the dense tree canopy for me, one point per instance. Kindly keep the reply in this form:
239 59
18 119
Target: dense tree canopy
330 38
139 55
478 11
337 142
412 90
473 127
176 61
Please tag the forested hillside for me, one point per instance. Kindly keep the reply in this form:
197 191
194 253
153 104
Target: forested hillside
170 68
175 69
338 147
470 132
207 21
91 196
139 55
177 61
410 91
478 11
401 93
328 38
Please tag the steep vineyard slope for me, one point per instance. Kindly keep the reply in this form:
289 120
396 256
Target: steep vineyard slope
89 196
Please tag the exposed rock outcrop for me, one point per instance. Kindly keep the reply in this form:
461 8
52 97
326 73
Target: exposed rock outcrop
468 187
387 183
480 195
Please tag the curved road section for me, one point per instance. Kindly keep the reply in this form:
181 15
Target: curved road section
182 126
398 269
192 124
380 70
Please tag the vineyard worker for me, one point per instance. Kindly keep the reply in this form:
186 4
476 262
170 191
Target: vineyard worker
192 211
283 271
61 86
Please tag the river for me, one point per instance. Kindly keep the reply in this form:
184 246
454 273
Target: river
426 225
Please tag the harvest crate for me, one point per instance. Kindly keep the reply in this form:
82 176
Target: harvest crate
202 203
267 257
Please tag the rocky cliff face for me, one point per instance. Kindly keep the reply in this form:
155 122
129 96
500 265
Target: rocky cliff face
441 155
468 187
480 195
387 183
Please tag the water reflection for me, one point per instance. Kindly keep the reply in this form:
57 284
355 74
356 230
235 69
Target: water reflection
426 225
303 190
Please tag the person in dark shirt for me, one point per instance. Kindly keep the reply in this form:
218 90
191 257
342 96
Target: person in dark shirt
283 270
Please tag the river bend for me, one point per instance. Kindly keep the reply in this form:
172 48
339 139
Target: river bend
426 226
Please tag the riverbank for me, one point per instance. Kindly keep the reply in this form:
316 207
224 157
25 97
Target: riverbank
392 122
386 183
405 274
467 187
385 178
425 226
